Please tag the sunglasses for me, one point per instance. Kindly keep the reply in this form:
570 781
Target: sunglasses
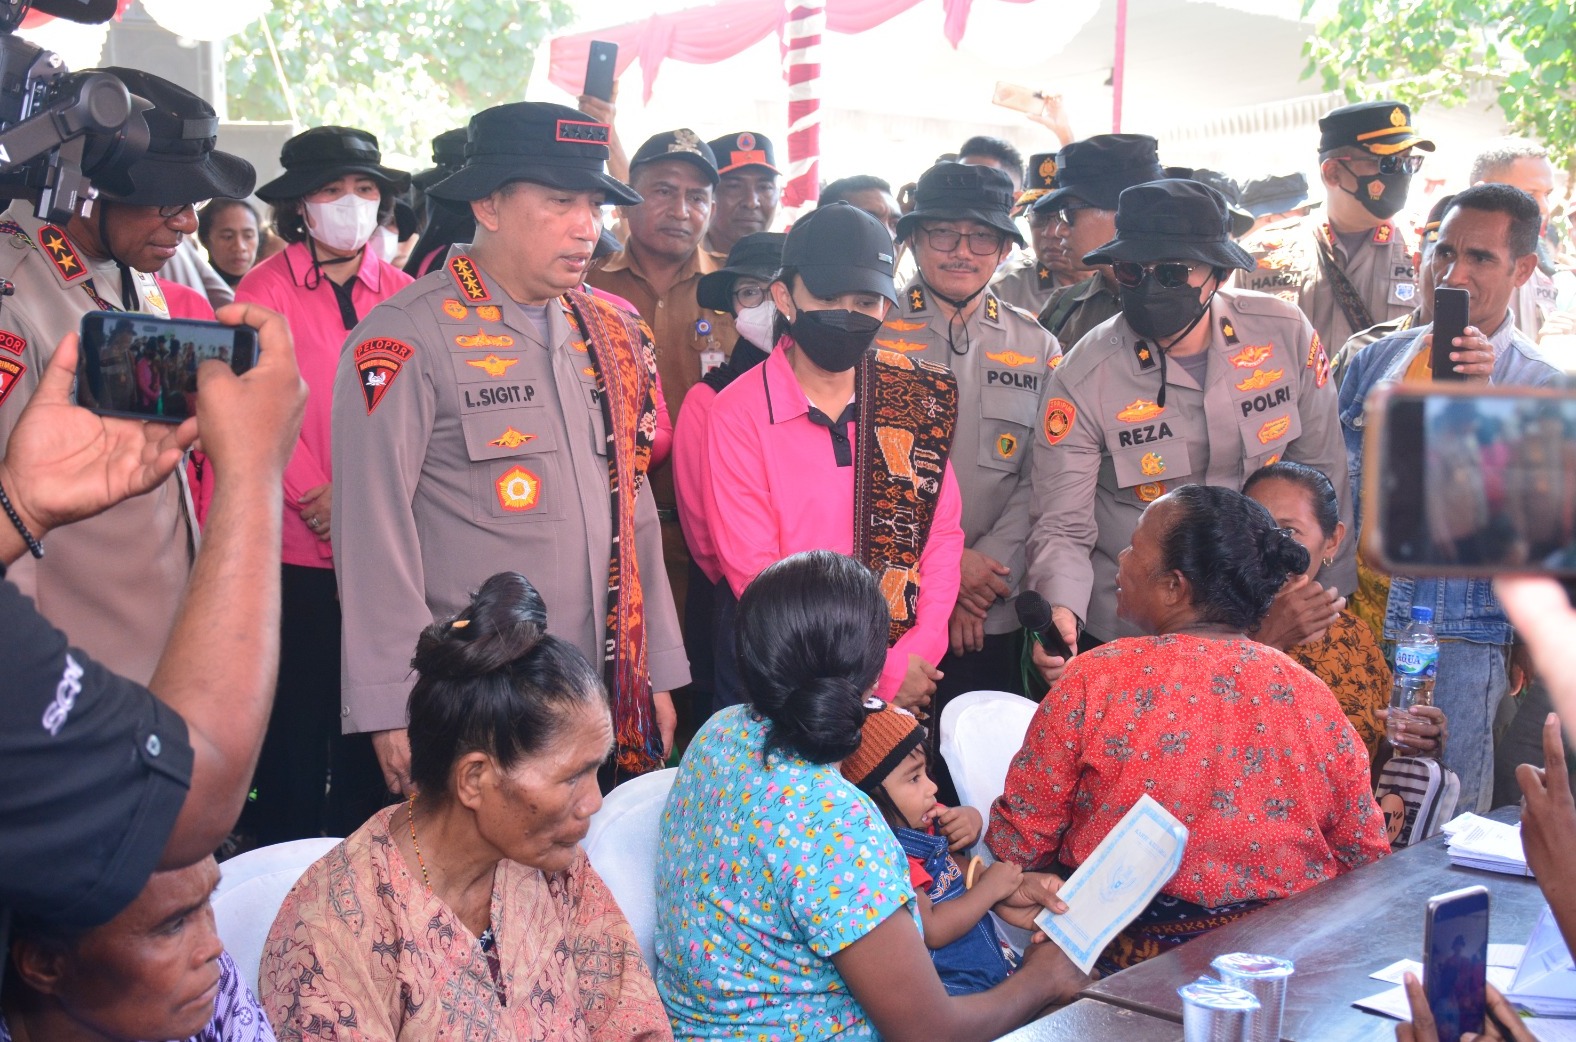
1391 164
1170 274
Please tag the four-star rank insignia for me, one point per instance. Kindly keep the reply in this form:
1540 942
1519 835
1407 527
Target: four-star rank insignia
492 365
378 362
1145 356
61 253
469 280
916 299
519 490
10 375
511 439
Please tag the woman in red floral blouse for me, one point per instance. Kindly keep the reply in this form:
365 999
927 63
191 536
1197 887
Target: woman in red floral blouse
1248 749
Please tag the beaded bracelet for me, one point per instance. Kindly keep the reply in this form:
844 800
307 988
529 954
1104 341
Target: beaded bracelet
34 547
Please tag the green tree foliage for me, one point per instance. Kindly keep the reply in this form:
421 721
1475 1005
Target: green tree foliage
1443 51
406 70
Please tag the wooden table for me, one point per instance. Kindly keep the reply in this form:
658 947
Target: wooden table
1089 1021
1337 934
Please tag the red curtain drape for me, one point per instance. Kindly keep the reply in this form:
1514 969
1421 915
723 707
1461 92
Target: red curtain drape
704 35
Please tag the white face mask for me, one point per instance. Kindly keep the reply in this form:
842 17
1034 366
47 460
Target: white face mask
755 324
344 224
385 243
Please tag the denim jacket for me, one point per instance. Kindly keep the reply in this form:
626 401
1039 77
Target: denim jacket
1464 609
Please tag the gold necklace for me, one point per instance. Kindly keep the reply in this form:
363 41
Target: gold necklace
410 815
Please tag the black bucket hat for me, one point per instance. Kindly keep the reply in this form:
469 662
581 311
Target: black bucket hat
317 156
1172 219
1241 219
1097 169
181 164
962 191
757 256
1277 193
682 144
534 141
839 249
448 155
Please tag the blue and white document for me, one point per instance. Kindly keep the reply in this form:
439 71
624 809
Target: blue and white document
1117 882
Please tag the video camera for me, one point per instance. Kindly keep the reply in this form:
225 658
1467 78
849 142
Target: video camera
59 128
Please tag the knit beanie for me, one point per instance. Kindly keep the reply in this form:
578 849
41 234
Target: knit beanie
889 735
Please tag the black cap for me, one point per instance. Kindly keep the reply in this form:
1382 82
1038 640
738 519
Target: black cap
758 255
1429 232
838 248
1275 194
315 157
1040 181
1095 170
1172 219
448 155
181 164
1241 219
743 150
1382 127
535 141
962 191
683 144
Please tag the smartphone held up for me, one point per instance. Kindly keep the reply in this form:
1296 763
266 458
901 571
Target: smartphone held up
145 368
1470 480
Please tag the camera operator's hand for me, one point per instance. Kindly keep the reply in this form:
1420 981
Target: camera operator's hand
1544 619
64 463
249 424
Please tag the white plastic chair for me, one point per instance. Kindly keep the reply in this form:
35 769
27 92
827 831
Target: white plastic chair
252 886
981 732
622 845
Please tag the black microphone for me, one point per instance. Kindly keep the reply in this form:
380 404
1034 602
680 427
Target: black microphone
1034 614
86 12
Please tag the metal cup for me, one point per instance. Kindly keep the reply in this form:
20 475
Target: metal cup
1216 1012
1265 977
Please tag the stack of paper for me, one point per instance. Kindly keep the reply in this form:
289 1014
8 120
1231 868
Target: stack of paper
1546 979
1117 881
1492 846
1502 961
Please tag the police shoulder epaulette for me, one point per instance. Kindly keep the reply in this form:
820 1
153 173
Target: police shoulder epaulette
1252 303
1020 313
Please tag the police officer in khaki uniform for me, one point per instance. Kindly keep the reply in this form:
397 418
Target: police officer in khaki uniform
1090 176
1028 278
1351 266
116 580
958 231
471 431
1190 384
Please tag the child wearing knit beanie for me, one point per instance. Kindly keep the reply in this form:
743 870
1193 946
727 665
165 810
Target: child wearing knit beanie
889 766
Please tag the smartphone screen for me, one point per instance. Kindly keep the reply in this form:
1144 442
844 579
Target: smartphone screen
1455 961
1472 481
1450 321
145 368
1019 99
601 64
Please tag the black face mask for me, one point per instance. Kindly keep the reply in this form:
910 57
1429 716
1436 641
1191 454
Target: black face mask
1156 313
834 340
1383 195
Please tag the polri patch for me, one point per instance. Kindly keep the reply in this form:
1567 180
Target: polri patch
10 375
1059 416
519 490
61 253
378 362
469 280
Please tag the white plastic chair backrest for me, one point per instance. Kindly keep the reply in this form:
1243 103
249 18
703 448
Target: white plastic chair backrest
981 732
252 886
623 850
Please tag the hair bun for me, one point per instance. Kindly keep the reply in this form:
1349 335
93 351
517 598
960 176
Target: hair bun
505 620
1283 555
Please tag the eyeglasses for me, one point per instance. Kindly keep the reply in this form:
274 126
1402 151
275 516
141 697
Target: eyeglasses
1170 274
749 296
981 244
1389 164
171 212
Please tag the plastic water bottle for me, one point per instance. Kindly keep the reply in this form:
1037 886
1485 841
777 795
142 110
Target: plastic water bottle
1416 657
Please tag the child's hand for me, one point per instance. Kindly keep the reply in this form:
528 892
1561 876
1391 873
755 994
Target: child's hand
1000 880
961 826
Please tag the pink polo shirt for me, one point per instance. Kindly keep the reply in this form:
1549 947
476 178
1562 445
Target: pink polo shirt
691 476
775 489
281 283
